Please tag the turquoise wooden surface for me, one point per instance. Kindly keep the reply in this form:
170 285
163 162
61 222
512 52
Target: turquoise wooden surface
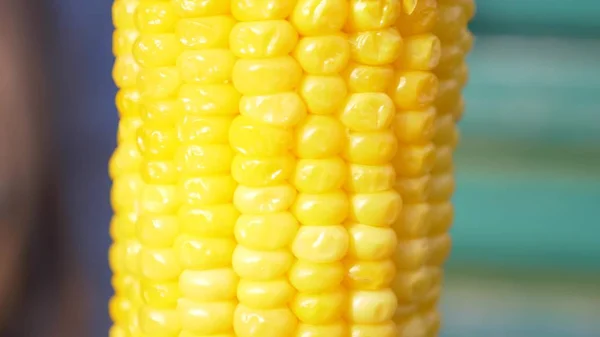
538 17
529 161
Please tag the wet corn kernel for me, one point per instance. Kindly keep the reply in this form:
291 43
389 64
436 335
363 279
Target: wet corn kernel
284 168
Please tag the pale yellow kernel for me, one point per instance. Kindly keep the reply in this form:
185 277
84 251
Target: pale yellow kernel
270 199
321 209
441 216
207 190
319 137
247 71
215 221
249 137
377 47
320 308
413 222
413 190
266 231
319 175
369 243
379 209
323 95
261 265
282 109
336 329
441 187
319 17
158 83
411 286
385 329
365 78
321 244
212 66
257 171
160 294
157 231
250 322
125 71
371 307
159 264
157 50
368 15
369 275
313 277
265 294
370 178
155 17
414 160
205 33
209 99
263 39
206 318
368 112
203 160
372 148
412 254
323 55
420 52
161 322
414 90
200 8
123 13
415 127
204 253
259 10
208 285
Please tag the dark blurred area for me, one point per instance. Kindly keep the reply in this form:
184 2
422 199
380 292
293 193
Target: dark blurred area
526 235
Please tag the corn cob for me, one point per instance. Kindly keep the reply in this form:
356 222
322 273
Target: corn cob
256 205
124 168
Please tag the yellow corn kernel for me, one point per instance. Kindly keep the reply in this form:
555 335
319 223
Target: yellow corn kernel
284 168
417 17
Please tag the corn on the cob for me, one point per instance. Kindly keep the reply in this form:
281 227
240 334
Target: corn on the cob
125 171
277 141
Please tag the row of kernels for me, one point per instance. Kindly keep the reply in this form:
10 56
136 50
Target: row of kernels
267 77
321 206
368 115
124 170
414 92
156 51
452 71
456 43
208 283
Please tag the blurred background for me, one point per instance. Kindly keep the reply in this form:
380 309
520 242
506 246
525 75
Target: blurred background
526 258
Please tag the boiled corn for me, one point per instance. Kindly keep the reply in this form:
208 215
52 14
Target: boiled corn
249 198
